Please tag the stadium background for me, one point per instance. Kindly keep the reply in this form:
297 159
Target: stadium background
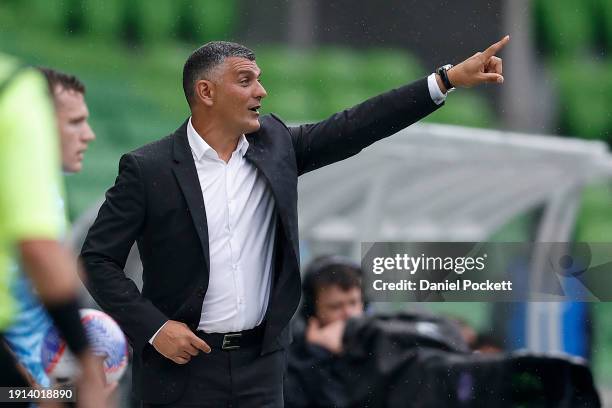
321 56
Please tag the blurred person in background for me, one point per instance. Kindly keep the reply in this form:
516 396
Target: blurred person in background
342 357
30 223
332 293
25 335
213 209
333 303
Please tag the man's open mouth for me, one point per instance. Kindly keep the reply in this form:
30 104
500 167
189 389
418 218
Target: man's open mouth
255 108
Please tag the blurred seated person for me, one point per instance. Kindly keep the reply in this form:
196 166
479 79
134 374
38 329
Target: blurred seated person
343 358
332 293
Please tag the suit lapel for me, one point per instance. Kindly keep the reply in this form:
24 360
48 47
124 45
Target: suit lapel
269 163
283 190
185 171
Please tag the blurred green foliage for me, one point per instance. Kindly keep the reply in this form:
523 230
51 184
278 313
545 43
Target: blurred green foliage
574 37
130 56
564 27
568 27
585 97
133 22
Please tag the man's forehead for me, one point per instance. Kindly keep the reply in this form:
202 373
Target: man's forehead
334 290
68 100
67 95
239 64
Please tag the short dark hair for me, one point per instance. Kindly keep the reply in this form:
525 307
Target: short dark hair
201 62
326 271
61 79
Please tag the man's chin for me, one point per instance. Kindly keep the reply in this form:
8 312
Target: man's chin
72 168
254 126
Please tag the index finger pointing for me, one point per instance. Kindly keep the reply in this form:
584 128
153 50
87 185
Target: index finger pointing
495 48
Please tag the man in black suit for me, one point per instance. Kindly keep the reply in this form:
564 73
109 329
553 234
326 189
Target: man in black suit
213 209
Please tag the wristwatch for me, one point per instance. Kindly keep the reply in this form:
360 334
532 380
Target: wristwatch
443 72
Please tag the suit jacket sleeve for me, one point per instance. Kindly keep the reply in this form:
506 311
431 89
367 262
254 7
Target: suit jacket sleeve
346 133
105 252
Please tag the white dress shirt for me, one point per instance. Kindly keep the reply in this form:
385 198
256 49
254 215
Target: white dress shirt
240 214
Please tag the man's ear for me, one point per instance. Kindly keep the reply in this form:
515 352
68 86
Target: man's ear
205 91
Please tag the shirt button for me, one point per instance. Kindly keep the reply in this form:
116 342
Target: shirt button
234 266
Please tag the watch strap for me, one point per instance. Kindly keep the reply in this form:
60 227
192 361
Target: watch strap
443 72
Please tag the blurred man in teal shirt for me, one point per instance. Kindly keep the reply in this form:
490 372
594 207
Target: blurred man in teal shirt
25 335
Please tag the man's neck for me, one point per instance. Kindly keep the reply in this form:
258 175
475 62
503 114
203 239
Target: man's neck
221 140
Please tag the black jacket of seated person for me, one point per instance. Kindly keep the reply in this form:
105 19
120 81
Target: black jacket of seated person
313 378
317 378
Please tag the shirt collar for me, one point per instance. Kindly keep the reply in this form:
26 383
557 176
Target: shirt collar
199 147
243 145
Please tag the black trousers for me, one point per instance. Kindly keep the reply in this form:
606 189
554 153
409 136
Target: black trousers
230 379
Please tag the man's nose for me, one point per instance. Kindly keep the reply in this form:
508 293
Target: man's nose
260 92
88 134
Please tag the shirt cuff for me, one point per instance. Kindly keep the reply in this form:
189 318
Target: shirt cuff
153 337
434 90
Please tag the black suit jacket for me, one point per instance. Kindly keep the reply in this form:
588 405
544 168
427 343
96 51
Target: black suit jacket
157 202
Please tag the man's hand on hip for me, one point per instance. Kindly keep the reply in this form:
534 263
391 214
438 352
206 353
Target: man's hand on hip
480 68
178 343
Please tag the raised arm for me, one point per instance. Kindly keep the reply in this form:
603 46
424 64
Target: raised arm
346 133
